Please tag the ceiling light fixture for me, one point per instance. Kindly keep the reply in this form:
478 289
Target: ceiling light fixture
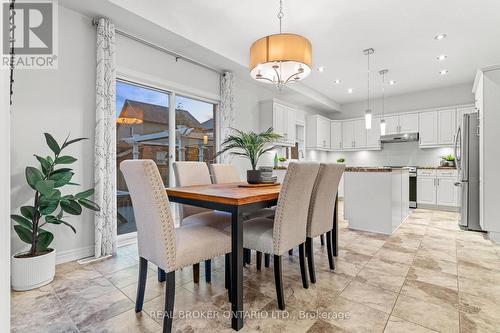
349 91
368 111
337 81
382 121
441 57
392 82
280 58
440 36
321 69
443 72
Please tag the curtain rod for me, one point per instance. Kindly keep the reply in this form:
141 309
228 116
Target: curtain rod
177 56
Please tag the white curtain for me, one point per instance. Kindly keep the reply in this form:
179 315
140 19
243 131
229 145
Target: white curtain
226 109
105 141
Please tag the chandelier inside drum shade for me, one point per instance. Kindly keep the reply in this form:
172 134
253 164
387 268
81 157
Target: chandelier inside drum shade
280 58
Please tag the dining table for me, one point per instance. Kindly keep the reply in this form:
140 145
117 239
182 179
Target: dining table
237 199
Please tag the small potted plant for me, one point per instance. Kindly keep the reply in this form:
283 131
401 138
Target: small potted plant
448 161
340 160
36 267
252 146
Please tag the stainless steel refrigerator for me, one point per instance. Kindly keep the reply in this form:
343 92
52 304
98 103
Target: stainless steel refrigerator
467 159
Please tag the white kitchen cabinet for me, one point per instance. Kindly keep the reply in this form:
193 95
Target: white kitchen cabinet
281 118
318 132
426 190
373 134
391 125
428 131
348 135
408 123
336 135
446 126
359 134
437 188
402 123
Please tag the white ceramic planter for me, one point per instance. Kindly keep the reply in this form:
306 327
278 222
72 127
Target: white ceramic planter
33 272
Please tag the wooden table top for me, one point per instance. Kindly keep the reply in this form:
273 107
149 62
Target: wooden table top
230 194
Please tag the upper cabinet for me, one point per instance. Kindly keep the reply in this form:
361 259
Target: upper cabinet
373 134
402 123
281 118
437 128
353 134
336 135
318 132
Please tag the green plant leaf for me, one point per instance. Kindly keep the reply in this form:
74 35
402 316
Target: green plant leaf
61 178
22 221
73 141
48 207
44 164
71 207
61 170
52 143
84 194
89 204
43 240
23 233
33 176
65 160
45 187
27 212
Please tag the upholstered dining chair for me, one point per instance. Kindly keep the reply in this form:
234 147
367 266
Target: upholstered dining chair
159 242
196 173
288 229
228 173
321 212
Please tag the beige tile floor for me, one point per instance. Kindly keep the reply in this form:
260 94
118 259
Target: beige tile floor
428 276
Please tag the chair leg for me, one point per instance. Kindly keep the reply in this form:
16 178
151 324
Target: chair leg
329 248
267 259
278 279
290 252
196 273
258 260
208 271
303 272
310 259
227 270
322 238
141 285
168 314
161 275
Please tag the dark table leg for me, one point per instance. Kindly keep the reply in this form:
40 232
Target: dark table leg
237 269
335 229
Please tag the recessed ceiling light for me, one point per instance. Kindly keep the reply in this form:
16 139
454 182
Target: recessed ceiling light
440 36
392 82
321 69
349 91
337 81
441 57
443 72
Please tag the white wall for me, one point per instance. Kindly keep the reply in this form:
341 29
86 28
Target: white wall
426 99
5 204
58 101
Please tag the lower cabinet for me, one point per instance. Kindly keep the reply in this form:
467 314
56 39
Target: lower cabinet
437 188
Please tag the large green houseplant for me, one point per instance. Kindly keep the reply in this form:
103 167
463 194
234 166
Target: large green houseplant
250 145
50 206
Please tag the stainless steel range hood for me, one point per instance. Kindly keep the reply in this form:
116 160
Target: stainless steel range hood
394 138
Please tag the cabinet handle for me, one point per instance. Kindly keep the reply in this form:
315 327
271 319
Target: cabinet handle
477 130
438 181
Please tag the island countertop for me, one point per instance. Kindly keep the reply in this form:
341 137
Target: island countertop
369 169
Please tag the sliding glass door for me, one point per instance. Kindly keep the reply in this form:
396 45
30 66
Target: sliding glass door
143 129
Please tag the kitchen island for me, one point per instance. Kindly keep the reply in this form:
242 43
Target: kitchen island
376 199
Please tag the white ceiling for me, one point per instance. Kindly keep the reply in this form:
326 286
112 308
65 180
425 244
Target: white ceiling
401 32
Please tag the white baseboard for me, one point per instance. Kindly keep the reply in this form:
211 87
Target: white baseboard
494 236
436 207
74 254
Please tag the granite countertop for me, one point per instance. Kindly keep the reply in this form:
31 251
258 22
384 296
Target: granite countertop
437 167
368 169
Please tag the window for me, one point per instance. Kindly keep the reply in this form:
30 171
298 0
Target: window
142 132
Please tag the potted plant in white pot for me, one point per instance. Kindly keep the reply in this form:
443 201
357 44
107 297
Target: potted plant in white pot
36 267
250 145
